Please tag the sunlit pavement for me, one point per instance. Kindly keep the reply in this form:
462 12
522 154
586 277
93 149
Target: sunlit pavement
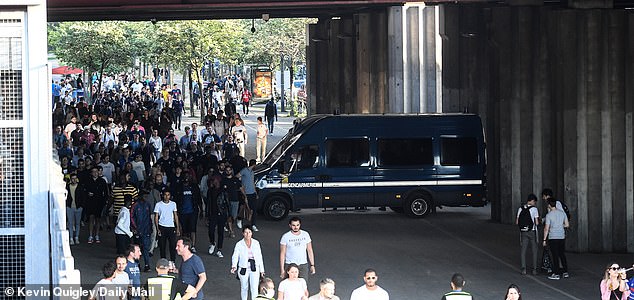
414 258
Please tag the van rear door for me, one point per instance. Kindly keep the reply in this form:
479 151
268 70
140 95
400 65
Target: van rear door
347 174
460 170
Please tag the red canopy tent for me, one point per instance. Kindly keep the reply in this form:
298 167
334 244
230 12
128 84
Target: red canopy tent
64 70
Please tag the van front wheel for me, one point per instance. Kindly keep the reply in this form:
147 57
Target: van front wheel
418 205
276 208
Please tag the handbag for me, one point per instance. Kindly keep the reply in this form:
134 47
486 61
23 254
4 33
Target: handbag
547 262
244 213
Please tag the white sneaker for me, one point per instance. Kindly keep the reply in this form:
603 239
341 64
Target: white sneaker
212 248
72 242
77 241
219 254
255 228
239 224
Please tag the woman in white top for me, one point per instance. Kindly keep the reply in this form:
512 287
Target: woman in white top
123 234
247 261
293 287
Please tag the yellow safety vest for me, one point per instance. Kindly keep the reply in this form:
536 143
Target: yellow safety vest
165 284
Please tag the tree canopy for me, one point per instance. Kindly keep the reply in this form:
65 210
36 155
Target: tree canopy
92 46
113 46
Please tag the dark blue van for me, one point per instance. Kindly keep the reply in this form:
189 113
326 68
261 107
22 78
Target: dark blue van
411 163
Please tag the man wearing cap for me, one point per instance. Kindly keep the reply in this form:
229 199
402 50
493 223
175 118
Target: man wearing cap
165 286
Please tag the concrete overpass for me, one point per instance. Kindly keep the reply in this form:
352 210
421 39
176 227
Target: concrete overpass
551 79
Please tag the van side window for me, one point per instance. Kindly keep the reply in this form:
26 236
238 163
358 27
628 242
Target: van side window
405 152
304 157
347 153
457 151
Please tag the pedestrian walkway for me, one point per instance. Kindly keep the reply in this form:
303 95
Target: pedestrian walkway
284 123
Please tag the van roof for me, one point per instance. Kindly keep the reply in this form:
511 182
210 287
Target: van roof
316 117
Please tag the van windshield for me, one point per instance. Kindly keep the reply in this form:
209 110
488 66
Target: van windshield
298 129
279 149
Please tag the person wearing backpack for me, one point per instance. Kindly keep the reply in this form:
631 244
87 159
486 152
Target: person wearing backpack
547 193
527 221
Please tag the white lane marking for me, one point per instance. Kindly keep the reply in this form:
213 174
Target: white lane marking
491 256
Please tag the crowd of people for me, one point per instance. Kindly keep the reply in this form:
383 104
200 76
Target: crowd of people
127 171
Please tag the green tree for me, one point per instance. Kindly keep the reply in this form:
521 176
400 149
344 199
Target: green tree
187 45
92 46
273 38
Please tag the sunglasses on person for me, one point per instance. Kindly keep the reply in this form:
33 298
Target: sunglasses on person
614 268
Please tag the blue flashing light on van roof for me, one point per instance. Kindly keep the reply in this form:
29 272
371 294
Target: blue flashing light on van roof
411 163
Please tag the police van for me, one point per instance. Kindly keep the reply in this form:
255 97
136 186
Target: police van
410 163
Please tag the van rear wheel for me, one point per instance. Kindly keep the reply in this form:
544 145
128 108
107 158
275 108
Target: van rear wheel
276 208
418 205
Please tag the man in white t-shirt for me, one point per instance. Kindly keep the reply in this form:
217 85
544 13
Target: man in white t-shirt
297 247
529 236
166 220
121 276
137 87
370 291
108 168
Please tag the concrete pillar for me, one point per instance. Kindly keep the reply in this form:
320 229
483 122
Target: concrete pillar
628 63
347 40
599 222
451 58
380 63
413 68
395 50
311 71
428 47
364 62
616 35
413 60
541 102
335 67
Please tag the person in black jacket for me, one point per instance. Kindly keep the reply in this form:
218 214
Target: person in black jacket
270 111
189 204
97 193
75 198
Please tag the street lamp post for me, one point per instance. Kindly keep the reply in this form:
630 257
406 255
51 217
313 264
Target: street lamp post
283 108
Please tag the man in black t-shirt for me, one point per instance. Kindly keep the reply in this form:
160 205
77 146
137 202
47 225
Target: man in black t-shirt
234 189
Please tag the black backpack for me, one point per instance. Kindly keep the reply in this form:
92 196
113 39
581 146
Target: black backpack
565 207
525 221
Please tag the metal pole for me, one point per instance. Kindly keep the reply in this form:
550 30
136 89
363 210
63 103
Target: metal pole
283 107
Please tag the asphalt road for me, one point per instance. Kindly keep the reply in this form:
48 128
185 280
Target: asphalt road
415 258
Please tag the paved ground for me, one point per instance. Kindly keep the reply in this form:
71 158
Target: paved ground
415 258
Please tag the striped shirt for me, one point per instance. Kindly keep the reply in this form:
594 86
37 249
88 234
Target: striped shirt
118 196
457 295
